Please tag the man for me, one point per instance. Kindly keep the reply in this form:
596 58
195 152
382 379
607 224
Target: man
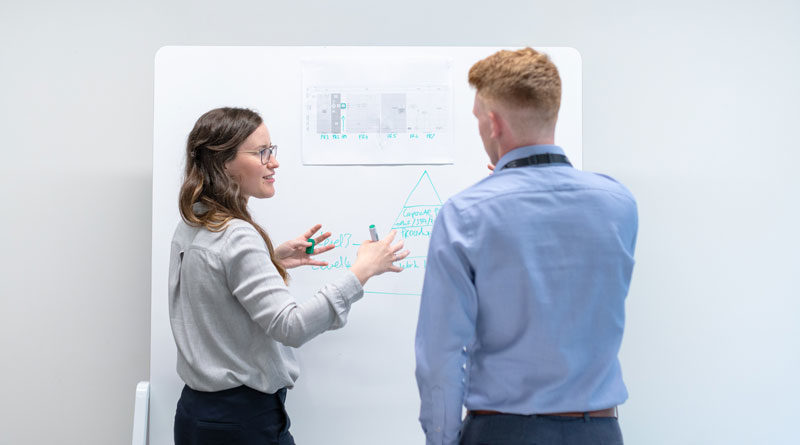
522 309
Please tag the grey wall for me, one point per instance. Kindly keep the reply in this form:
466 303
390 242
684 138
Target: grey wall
692 105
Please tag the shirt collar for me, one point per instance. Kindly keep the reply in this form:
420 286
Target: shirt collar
524 152
199 208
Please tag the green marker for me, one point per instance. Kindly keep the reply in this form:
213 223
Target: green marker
310 249
373 233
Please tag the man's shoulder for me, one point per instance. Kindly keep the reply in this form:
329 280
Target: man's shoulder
476 193
605 182
509 184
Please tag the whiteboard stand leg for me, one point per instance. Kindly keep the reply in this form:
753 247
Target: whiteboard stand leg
141 414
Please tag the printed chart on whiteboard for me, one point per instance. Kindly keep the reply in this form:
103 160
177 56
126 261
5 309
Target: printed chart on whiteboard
377 112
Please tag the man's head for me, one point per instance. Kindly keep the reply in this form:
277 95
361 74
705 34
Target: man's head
518 94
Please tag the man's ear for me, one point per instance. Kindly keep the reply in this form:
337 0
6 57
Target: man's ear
496 125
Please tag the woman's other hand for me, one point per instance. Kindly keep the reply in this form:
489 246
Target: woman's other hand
293 254
377 257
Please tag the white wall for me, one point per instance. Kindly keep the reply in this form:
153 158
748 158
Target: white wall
692 106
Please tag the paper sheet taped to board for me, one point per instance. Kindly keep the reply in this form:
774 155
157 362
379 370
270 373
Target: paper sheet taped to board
377 111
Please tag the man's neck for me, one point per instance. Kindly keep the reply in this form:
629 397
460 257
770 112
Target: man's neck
548 140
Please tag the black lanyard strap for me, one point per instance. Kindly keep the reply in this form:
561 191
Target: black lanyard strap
544 158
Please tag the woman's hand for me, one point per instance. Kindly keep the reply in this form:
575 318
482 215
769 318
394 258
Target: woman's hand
292 253
377 257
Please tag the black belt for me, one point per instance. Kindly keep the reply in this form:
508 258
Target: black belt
608 412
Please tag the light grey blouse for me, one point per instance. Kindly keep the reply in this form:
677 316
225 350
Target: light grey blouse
233 318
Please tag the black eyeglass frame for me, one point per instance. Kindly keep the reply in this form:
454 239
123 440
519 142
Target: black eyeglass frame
272 149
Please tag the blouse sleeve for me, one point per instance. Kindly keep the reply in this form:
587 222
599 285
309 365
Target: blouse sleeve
256 283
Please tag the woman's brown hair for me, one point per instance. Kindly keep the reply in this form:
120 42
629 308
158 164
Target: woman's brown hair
212 143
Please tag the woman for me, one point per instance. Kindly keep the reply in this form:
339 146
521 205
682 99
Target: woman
233 319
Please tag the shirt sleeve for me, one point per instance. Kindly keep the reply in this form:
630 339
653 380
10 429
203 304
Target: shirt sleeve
256 283
446 327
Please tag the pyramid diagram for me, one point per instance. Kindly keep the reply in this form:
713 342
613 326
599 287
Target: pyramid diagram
414 225
419 211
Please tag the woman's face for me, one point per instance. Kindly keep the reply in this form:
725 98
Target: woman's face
254 178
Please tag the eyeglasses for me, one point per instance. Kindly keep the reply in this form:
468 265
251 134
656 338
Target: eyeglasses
266 153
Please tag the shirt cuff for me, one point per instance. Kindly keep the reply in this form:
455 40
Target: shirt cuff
344 292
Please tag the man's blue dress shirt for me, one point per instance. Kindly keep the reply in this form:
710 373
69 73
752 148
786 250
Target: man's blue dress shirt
523 304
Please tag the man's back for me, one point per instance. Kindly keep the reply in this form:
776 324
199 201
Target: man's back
538 260
523 306
553 260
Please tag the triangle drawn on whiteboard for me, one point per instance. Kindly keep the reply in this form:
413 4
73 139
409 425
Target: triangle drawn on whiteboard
419 210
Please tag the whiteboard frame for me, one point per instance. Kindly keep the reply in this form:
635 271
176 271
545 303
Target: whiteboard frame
342 391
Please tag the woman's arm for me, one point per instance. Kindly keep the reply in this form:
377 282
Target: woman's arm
254 281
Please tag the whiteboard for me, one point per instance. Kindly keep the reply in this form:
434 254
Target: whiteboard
356 384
